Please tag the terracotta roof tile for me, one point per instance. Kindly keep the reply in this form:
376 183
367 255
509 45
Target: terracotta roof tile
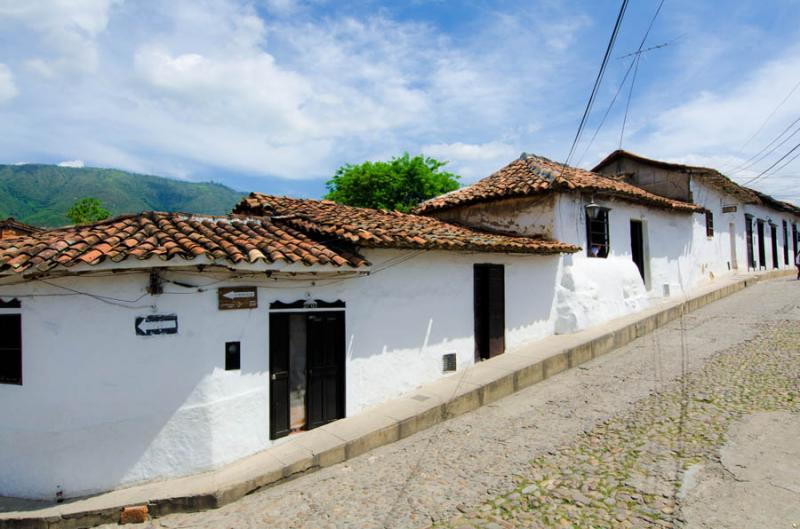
231 239
531 175
372 228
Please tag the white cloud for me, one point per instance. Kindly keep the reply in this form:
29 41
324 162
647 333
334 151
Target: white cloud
71 163
180 85
68 29
8 90
713 127
473 161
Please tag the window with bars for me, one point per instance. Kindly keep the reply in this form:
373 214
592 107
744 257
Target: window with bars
709 224
597 241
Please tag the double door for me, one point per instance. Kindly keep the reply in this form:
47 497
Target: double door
307 370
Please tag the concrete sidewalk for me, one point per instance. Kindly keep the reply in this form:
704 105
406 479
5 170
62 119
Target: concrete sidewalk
347 438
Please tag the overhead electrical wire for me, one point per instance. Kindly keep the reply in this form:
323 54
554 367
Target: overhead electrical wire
628 103
598 80
771 115
757 157
638 53
763 173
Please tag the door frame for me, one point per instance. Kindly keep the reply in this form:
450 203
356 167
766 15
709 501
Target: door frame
307 307
643 249
485 321
732 235
773 235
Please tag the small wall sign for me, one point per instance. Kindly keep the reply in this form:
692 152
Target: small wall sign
155 324
237 298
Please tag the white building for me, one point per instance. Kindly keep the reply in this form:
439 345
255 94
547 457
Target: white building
743 228
158 345
122 360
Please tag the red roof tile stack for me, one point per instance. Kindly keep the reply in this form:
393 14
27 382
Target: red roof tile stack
532 175
168 236
372 228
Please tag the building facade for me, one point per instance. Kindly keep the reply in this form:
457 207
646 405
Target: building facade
158 345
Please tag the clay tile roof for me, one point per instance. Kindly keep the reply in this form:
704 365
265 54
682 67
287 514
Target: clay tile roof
230 239
16 226
707 175
532 175
371 228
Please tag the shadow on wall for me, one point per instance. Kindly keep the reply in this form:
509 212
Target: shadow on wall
116 409
402 324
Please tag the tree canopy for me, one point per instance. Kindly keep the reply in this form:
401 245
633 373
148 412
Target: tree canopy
399 184
87 210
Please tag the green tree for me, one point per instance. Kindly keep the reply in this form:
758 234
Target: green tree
86 210
399 184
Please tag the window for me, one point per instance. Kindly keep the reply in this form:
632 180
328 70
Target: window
597 233
709 224
232 356
11 349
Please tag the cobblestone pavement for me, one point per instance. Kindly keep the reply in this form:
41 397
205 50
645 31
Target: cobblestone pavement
627 471
602 444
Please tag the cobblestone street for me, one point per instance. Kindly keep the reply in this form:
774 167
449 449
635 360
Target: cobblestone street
622 441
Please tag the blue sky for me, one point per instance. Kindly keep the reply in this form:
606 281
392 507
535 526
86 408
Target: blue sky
274 95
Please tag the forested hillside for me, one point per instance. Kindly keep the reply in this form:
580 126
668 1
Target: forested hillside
41 194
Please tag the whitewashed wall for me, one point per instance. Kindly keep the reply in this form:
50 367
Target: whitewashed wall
590 291
101 407
594 290
712 255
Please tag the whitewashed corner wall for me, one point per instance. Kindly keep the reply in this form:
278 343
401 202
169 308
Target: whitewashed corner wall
101 408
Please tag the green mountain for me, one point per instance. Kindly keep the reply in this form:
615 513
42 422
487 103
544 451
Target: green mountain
41 194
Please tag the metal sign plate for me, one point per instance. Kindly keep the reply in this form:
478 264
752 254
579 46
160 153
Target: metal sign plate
237 298
155 324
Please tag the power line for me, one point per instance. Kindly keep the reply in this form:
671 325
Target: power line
638 53
598 80
752 160
628 103
651 48
779 160
774 111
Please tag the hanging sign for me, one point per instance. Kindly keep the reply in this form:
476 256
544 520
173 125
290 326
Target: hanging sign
237 298
155 324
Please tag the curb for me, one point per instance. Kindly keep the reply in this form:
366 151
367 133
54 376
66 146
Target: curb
386 423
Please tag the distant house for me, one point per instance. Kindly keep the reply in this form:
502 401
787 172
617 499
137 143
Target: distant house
13 228
156 345
742 228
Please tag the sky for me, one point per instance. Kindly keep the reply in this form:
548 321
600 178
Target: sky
275 95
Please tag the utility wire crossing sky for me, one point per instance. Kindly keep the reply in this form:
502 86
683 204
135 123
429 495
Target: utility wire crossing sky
275 95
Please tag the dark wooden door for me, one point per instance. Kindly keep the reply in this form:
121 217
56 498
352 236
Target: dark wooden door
773 235
489 310
785 242
762 253
279 375
637 245
325 368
